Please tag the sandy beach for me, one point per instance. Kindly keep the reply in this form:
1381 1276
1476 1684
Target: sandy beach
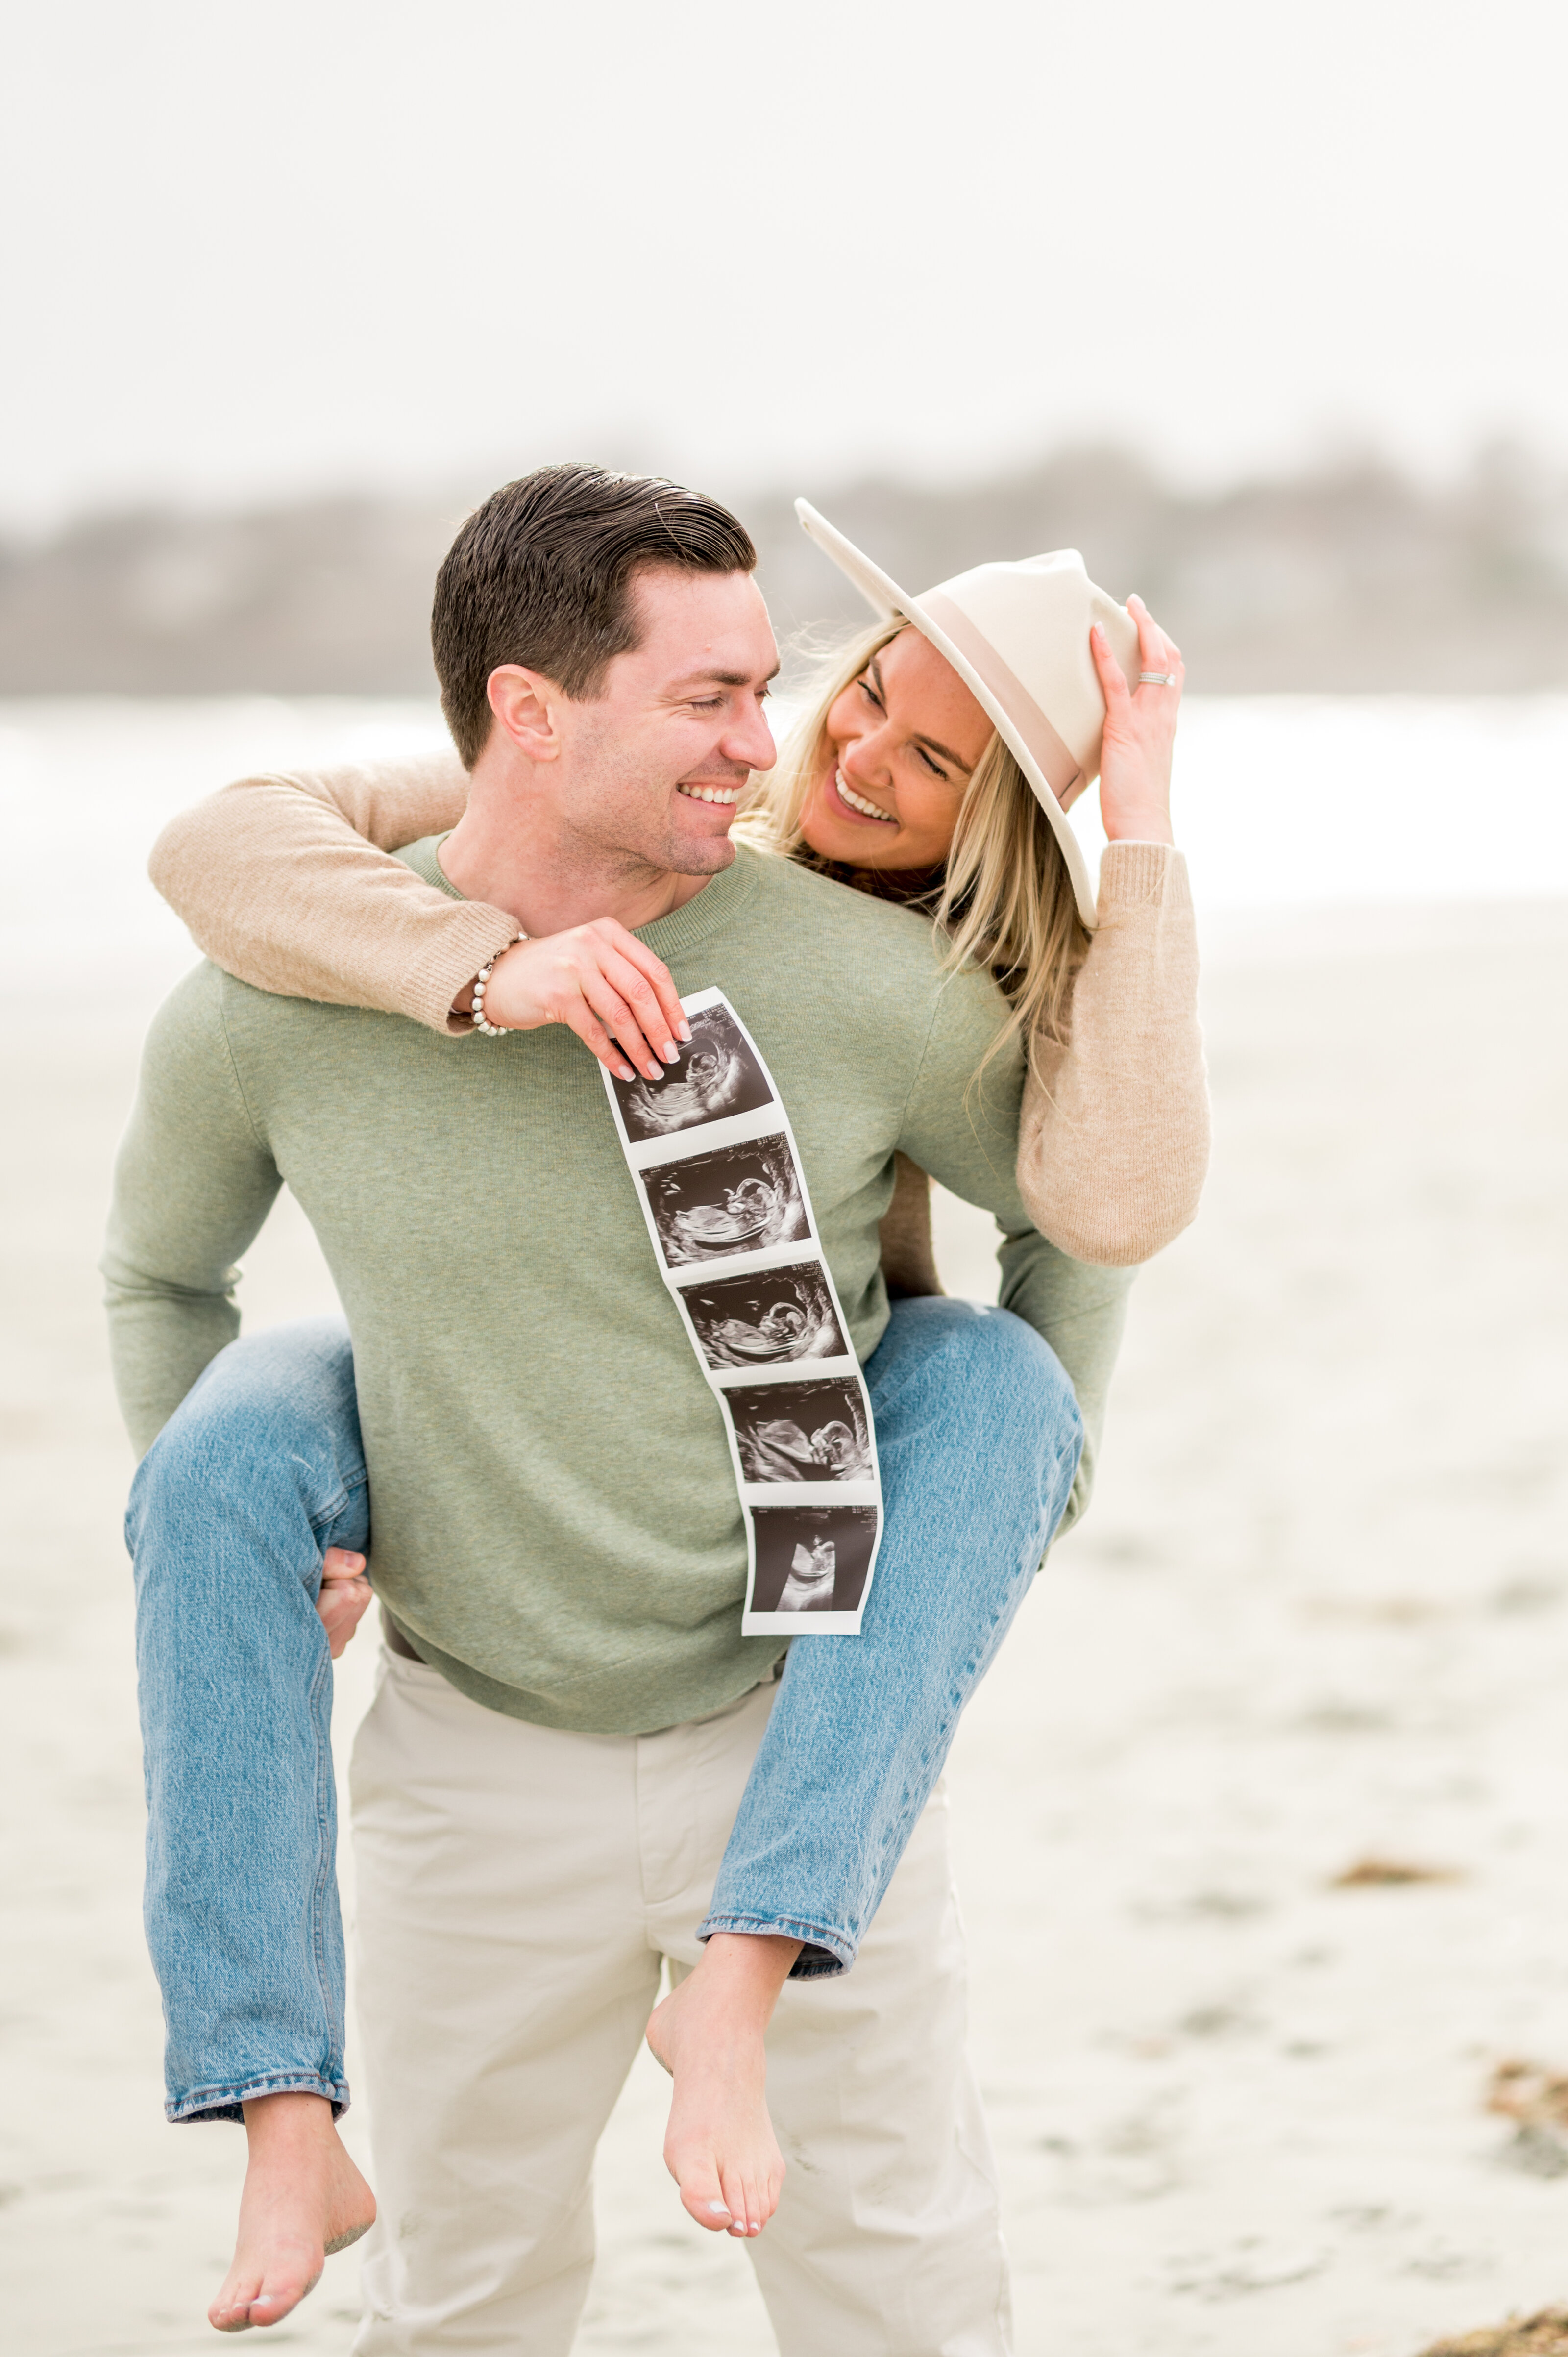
1260 1822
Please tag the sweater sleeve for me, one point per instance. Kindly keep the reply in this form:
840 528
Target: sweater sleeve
1114 1139
287 882
193 1183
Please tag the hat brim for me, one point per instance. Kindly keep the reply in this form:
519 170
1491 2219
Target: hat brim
888 600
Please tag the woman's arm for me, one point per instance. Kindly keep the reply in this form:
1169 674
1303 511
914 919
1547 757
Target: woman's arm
287 882
1113 1140
1113 1144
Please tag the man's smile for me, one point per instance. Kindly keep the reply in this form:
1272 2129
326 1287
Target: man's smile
723 794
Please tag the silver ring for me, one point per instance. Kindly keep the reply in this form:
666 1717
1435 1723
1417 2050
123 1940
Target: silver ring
1156 678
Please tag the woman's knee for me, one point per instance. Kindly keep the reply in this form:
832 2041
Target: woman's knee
275 1415
975 1380
996 1357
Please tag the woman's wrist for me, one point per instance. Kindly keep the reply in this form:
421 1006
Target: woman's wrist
464 1002
1139 826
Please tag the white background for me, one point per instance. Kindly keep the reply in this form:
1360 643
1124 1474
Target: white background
250 250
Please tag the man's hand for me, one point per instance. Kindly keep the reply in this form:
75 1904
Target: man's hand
597 979
345 1596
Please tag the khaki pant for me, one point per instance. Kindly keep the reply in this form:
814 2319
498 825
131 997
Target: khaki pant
516 1891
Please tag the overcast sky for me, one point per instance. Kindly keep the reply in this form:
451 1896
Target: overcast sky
251 250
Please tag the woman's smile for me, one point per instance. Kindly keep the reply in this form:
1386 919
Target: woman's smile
858 804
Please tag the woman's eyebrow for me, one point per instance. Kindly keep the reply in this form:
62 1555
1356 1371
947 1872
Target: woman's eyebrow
945 750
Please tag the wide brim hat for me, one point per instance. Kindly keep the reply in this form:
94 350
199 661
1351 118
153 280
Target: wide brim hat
1017 636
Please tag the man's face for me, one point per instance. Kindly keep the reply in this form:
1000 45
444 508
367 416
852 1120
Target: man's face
654 767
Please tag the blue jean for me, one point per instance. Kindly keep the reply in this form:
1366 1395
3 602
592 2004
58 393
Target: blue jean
261 1469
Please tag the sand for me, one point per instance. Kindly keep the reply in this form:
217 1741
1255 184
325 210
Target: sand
1262 1819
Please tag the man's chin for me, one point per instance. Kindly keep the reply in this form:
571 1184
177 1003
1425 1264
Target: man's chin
701 855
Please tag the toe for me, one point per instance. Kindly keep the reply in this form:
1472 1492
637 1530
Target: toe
701 2195
709 2209
231 2311
734 2195
283 2295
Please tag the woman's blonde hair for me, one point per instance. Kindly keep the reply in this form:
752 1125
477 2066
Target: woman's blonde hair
1005 899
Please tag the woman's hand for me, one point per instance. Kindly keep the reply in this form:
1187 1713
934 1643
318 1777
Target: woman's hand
599 980
1140 732
344 1598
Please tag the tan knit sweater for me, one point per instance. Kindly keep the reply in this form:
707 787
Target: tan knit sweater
286 882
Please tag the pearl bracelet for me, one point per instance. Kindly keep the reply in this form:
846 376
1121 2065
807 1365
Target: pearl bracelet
490 1030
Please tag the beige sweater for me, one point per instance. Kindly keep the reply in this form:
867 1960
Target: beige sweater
287 882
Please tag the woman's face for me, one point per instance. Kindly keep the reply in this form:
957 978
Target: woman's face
901 744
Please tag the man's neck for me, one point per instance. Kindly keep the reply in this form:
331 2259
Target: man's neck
512 849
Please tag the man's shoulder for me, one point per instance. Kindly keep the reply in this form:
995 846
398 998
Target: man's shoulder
211 1012
842 917
895 952
192 1012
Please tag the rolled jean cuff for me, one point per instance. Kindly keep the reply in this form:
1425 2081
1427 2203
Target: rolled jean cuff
226 2102
823 1953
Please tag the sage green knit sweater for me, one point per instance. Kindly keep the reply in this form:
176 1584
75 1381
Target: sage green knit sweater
556 1519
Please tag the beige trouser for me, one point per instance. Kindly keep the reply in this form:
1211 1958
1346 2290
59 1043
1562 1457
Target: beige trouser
517 1889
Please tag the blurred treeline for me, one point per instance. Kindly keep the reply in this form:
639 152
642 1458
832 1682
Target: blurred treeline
1348 577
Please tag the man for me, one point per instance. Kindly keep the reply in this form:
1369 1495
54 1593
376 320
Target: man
545 1784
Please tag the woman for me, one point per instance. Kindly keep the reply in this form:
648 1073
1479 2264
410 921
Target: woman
915 777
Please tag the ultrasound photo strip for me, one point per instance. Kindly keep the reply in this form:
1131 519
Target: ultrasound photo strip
716 1076
814 1436
724 1197
726 1202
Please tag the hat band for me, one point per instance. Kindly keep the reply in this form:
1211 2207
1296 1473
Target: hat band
1061 771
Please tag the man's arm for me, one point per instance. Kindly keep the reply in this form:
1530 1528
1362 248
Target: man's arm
1081 1312
964 1131
193 1183
288 882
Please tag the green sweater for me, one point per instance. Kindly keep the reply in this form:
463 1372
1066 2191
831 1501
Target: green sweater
556 1519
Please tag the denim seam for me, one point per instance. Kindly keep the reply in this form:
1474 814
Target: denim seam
328 1515
203 2100
326 1879
783 1927
897 1835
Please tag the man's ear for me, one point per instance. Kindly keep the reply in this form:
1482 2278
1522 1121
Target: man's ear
524 705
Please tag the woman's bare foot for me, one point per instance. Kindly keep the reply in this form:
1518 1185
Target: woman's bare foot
304 2199
708 2033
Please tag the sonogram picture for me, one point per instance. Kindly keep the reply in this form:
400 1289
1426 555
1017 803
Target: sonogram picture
718 1175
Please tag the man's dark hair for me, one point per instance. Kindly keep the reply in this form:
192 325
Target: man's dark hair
542 576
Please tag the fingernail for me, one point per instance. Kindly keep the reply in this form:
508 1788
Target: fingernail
654 1072
625 1072
718 2210
670 1051
685 1030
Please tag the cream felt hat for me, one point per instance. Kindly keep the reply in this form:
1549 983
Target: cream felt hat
1017 636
